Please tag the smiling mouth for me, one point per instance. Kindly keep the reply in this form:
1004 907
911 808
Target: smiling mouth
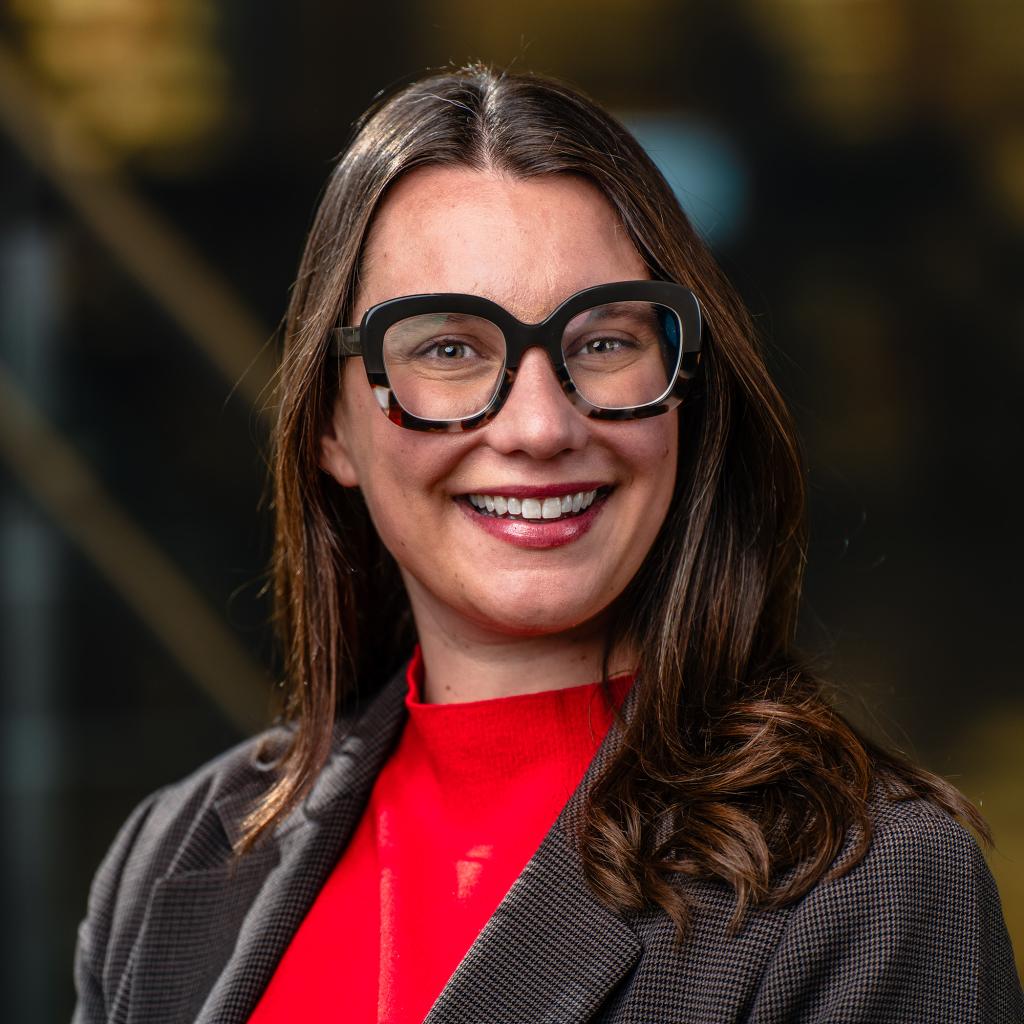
539 509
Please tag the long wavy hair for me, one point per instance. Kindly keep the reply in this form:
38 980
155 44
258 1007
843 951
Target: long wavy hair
734 766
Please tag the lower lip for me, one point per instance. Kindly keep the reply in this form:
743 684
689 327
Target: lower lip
536 533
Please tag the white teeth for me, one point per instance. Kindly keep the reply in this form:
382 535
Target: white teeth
552 508
534 508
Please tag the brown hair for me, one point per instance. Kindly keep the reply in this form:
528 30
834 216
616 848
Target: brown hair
734 765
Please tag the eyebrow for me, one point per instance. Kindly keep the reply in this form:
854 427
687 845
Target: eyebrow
606 311
411 323
609 311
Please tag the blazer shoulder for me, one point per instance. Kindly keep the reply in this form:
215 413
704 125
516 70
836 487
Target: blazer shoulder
912 833
183 837
919 859
194 823
191 821
914 930
172 827
177 827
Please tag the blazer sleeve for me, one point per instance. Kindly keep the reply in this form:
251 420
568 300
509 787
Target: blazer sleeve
91 959
914 932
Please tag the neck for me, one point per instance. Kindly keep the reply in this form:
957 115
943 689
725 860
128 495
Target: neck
464 662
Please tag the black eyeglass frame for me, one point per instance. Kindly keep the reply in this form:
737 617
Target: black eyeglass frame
367 340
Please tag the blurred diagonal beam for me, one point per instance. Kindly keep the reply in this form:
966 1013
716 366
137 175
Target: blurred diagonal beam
161 259
163 598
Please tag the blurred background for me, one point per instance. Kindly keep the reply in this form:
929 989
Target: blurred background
857 166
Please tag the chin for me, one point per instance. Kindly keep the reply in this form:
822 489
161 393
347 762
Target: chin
530 619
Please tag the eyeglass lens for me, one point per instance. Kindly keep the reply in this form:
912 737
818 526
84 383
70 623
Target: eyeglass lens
448 366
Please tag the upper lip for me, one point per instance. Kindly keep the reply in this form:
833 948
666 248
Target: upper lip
540 490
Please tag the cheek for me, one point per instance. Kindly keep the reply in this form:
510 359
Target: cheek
393 492
663 471
656 459
396 474
400 472
381 452
652 449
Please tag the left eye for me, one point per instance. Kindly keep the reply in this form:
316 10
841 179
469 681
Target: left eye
599 345
603 346
449 351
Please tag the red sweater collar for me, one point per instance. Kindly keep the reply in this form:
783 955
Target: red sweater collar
472 743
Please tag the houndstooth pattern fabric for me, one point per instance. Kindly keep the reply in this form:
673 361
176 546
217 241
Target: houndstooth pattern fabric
175 932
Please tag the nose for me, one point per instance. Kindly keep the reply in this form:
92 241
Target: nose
537 417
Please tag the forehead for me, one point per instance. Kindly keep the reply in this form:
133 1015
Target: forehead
525 243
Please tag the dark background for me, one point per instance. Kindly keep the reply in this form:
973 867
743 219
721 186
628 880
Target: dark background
858 167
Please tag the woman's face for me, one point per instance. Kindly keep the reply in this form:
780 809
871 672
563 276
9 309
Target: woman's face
527 245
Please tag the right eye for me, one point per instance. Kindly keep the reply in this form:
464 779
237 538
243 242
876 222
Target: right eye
446 350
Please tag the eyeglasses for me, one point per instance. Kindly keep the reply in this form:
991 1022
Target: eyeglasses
447 361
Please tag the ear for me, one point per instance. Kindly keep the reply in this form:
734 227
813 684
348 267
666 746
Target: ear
335 455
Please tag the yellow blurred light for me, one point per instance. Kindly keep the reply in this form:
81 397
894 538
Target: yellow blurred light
851 58
1007 171
614 42
121 11
145 76
861 65
990 753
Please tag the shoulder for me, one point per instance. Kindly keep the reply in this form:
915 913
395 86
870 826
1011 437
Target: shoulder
194 823
160 824
919 861
914 928
179 827
185 833
914 843
157 828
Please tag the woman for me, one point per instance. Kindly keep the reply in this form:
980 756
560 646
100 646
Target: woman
525 436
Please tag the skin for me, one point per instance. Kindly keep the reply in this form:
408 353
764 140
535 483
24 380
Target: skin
494 618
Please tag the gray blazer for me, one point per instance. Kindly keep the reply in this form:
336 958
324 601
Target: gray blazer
174 933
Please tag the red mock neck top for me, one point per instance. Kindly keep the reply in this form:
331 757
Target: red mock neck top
454 815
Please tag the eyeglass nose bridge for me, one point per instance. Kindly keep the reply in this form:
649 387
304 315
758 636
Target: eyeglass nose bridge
520 338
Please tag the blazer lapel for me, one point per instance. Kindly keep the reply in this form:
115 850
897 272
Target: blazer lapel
551 951
309 852
214 936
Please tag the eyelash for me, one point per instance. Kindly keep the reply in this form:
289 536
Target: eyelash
622 342
433 347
